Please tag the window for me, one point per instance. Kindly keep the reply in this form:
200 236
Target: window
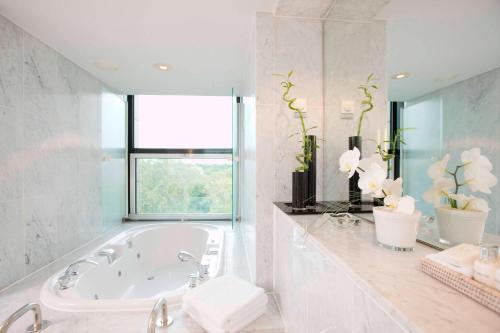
181 156
183 122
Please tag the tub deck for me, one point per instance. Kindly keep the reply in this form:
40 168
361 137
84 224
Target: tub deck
28 290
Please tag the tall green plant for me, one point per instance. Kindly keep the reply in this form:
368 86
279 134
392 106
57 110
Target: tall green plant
307 149
367 102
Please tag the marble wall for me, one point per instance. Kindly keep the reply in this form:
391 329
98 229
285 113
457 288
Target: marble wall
352 51
315 292
50 155
282 44
470 118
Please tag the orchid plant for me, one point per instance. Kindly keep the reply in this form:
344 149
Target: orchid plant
373 180
473 172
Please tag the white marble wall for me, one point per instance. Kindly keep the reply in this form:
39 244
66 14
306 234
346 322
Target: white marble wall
315 294
282 44
50 156
471 118
352 50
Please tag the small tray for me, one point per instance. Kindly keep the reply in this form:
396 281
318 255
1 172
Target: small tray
479 292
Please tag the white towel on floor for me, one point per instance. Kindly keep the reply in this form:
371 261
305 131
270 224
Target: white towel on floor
233 326
225 304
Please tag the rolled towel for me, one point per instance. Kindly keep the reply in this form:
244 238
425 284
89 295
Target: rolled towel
223 300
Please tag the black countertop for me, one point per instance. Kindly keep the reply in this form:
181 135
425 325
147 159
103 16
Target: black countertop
322 207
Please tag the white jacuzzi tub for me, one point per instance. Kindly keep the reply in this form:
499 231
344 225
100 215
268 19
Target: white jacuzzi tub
146 268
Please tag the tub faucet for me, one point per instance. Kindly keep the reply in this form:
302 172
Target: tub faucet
164 320
38 324
108 253
185 256
70 272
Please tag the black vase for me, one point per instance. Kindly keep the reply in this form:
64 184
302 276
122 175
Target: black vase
299 190
354 190
311 173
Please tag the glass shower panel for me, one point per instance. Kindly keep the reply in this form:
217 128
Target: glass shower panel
113 161
236 164
423 146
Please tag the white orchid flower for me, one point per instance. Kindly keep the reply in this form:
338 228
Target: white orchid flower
437 170
391 201
439 188
478 204
472 159
479 180
365 163
349 161
470 202
406 205
393 187
372 179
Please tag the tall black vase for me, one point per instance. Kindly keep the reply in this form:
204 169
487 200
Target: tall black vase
299 190
354 190
311 173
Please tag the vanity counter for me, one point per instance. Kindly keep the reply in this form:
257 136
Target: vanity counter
359 286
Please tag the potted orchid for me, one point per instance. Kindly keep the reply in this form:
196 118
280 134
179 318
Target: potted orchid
462 218
396 222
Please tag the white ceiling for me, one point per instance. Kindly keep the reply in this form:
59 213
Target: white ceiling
440 42
206 43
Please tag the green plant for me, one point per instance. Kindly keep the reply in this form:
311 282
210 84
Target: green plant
367 90
306 155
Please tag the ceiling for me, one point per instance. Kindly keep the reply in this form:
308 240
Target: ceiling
207 44
439 43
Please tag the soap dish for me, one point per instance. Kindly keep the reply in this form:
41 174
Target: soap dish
479 292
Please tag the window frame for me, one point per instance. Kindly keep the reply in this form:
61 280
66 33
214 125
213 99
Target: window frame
188 153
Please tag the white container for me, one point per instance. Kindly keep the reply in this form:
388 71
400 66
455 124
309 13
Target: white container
460 226
396 230
485 267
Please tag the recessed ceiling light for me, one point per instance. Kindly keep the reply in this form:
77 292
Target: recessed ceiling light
162 67
106 66
399 76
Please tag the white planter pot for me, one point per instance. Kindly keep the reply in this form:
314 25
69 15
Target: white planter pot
395 230
460 226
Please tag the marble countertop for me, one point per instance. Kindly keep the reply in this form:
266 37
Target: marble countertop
28 290
395 279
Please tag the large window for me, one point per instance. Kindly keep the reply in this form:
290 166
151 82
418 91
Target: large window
181 156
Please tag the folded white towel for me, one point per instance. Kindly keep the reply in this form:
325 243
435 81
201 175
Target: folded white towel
222 302
443 260
235 325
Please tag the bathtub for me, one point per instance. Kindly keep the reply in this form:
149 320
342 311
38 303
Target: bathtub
144 269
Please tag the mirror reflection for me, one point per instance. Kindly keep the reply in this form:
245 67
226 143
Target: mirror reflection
443 92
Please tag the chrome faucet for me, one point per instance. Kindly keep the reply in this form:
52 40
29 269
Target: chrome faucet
70 272
108 253
185 256
38 324
164 320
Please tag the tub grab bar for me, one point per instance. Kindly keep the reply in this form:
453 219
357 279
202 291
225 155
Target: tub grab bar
38 324
163 321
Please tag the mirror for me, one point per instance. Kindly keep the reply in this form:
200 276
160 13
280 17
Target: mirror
438 68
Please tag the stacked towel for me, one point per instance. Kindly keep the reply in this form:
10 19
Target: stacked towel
225 304
459 258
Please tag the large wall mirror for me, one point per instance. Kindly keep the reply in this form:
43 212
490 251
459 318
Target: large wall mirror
442 80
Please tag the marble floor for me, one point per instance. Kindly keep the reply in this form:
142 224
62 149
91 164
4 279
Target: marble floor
28 290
